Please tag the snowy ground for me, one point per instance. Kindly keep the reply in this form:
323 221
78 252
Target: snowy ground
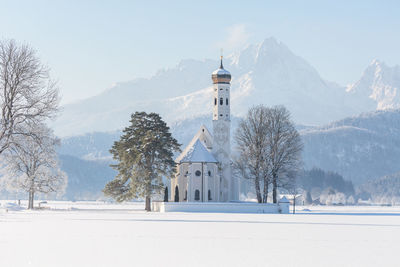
98 234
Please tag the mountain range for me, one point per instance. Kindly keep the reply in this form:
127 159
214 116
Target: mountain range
359 147
264 73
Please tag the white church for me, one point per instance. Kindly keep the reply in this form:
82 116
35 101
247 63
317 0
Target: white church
204 168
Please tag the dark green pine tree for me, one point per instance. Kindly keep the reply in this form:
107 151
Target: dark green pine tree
144 154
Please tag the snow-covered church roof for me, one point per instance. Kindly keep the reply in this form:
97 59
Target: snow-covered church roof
196 152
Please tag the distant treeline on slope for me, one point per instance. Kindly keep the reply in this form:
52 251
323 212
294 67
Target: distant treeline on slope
324 187
86 179
385 189
319 179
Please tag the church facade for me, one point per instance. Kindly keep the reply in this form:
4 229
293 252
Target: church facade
204 168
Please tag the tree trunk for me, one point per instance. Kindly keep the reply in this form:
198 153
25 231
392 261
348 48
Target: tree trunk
274 188
148 203
30 201
294 204
265 196
258 190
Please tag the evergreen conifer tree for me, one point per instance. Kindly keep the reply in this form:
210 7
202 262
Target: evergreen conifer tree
144 154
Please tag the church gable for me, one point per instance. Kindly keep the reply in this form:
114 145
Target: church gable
204 135
196 153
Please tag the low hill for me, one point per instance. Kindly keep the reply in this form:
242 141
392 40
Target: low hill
86 178
360 148
384 190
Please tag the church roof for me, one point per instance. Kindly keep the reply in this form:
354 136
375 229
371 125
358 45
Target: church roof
221 75
221 72
196 152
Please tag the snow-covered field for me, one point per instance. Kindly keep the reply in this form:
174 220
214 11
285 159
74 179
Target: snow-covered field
99 234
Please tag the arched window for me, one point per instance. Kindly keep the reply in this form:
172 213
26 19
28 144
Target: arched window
197 195
215 101
226 101
209 194
221 101
209 173
166 194
185 195
176 198
198 173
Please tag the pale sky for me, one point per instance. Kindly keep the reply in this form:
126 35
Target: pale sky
89 45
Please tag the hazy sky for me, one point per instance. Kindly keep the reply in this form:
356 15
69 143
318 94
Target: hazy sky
89 45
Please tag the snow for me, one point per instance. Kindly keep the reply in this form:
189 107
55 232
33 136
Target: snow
101 234
196 153
9 206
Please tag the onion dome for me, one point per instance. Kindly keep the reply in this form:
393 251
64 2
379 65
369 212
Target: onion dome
221 75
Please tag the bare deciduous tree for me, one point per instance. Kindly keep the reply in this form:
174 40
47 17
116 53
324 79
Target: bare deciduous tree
251 140
31 164
27 94
284 148
269 150
292 188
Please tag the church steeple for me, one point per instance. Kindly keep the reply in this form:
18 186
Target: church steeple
221 131
221 79
221 75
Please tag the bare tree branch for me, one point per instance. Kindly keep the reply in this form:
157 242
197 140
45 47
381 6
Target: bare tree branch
31 163
27 94
269 150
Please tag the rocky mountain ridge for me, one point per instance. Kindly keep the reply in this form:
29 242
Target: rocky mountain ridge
265 73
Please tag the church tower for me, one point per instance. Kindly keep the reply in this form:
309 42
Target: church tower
221 131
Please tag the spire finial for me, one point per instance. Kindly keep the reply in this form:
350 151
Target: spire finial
221 66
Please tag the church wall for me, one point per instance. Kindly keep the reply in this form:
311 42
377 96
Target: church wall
179 180
186 176
249 207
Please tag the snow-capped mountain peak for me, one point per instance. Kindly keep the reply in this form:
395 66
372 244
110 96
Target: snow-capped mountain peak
378 86
265 73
